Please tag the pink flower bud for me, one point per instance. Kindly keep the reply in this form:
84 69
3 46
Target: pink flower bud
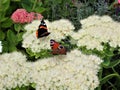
30 17
119 1
19 16
22 16
38 16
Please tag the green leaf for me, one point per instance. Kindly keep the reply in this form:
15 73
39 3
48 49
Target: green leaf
2 19
12 47
42 54
2 35
33 85
27 4
113 64
4 5
30 52
39 9
12 40
17 27
108 77
106 62
17 88
4 1
11 37
19 36
39 4
20 88
7 23
109 53
5 46
55 1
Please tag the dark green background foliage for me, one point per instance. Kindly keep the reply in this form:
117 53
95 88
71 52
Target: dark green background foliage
74 10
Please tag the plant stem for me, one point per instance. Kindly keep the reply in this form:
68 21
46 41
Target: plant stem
114 70
100 76
112 85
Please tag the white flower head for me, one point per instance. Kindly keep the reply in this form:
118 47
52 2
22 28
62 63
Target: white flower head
58 29
74 71
97 30
13 70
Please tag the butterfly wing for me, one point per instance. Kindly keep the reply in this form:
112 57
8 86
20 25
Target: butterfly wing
37 33
62 50
42 33
54 44
57 48
42 30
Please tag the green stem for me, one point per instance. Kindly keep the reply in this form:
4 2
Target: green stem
112 85
114 70
100 76
108 77
34 5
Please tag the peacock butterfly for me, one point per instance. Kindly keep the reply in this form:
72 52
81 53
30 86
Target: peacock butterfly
57 48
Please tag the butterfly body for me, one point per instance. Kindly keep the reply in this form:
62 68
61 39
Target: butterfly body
42 30
57 48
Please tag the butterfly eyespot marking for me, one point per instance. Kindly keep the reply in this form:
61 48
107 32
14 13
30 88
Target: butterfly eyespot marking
51 42
60 47
57 48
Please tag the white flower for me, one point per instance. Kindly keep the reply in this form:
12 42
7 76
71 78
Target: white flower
95 30
74 71
13 70
58 30
0 46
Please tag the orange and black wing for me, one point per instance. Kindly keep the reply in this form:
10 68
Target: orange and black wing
42 30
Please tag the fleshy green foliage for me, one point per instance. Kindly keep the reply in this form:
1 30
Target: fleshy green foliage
42 54
7 33
30 87
11 33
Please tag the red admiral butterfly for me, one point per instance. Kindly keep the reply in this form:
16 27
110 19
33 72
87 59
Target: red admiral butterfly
42 30
57 48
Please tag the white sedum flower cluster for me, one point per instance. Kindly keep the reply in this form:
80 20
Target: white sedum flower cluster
13 70
74 71
58 29
95 30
